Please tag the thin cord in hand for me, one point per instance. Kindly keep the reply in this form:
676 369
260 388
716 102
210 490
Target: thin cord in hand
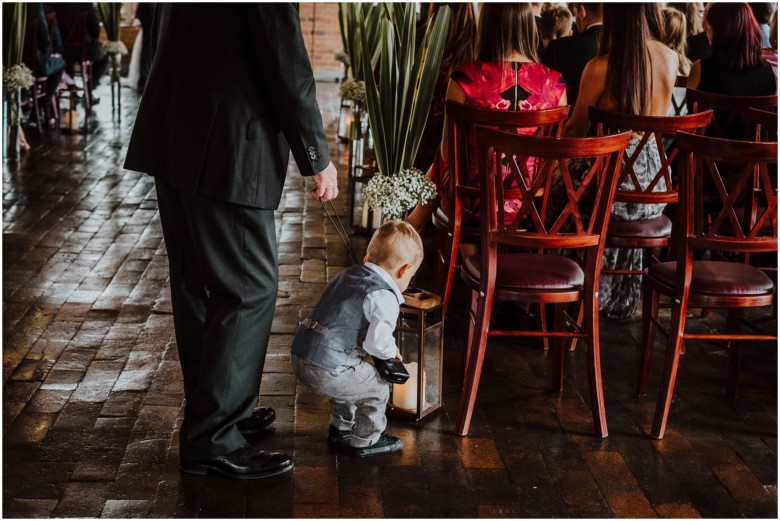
340 230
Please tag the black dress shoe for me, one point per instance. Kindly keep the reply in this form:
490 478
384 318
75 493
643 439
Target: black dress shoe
260 420
245 462
338 440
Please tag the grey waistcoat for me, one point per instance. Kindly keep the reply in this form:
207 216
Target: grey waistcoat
340 310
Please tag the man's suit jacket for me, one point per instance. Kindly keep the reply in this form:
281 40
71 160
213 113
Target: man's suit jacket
229 94
569 55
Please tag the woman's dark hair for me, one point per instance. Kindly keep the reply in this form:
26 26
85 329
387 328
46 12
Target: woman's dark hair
627 29
736 37
461 45
692 12
507 28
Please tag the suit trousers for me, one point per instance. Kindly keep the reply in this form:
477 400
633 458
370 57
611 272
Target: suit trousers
224 279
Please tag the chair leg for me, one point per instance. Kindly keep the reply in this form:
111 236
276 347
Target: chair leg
87 86
476 359
580 315
591 324
676 330
541 321
36 108
474 301
449 263
649 311
733 326
557 349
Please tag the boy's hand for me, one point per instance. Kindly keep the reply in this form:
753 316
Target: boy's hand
398 356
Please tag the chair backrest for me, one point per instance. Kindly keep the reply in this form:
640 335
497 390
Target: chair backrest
462 121
763 123
660 188
73 27
547 218
746 219
728 120
29 54
679 105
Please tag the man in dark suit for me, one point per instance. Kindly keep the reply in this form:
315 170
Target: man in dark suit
229 95
570 55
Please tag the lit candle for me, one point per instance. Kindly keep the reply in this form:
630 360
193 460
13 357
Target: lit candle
405 395
364 217
71 119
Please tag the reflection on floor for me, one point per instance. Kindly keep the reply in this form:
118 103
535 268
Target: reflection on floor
92 391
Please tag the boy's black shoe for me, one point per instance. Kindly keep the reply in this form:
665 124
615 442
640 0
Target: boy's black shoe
386 444
338 439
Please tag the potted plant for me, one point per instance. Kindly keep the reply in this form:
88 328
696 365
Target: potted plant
398 103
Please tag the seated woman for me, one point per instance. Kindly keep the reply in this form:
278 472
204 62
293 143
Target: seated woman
506 76
736 67
635 74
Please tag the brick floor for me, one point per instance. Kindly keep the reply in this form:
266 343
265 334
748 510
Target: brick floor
92 390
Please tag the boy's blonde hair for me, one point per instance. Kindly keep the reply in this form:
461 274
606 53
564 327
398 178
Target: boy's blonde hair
395 243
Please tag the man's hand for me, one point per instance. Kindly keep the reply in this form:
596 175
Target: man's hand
326 184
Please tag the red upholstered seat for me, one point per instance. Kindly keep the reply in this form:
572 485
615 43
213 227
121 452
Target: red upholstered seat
716 278
520 271
659 226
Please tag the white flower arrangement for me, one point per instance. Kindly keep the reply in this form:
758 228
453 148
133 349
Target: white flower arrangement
395 194
17 77
353 90
115 47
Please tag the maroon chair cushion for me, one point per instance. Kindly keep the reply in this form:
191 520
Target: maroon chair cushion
656 227
717 278
531 271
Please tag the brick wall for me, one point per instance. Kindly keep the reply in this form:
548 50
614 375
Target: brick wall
320 27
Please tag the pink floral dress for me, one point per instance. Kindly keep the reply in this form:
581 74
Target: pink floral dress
499 86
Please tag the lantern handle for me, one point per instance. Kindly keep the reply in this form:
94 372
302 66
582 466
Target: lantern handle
340 230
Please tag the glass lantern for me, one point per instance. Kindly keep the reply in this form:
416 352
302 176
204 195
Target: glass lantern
420 338
363 219
74 115
345 120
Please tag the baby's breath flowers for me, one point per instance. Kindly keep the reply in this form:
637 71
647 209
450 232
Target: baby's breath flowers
395 194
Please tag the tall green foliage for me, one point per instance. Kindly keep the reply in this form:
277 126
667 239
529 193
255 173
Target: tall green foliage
110 13
14 25
398 104
370 16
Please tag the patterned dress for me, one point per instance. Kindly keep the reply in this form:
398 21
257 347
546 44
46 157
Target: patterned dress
618 294
499 86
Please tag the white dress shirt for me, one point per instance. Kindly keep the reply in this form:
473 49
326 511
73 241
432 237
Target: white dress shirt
381 309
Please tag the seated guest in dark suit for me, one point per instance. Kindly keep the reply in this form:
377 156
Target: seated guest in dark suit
697 47
570 55
47 62
94 45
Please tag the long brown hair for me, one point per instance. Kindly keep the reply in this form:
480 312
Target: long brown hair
507 28
736 38
692 12
461 45
627 29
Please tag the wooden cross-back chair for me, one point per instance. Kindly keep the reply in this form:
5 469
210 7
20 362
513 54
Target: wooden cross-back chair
542 223
680 105
453 224
657 132
38 90
73 27
729 112
709 283
763 123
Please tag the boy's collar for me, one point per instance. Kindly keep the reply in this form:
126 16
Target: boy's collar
387 278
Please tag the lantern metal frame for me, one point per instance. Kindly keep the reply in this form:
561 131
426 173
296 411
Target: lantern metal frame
75 97
425 314
361 167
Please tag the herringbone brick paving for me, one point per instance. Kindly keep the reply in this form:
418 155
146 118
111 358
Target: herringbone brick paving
92 390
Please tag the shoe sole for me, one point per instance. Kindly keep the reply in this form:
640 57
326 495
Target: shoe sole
200 469
364 453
